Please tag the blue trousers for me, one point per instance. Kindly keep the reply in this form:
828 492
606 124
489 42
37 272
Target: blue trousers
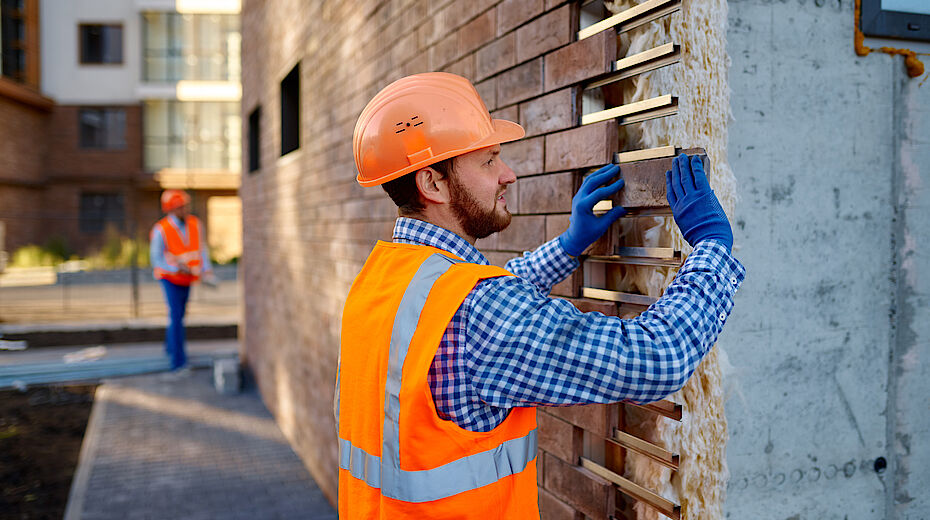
176 296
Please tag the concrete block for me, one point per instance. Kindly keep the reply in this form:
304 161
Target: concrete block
227 377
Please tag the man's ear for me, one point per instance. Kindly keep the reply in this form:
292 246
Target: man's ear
432 185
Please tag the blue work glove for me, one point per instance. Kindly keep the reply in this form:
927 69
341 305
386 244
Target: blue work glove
584 226
697 210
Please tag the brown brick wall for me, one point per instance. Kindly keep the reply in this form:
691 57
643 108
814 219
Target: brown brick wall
67 161
308 227
22 178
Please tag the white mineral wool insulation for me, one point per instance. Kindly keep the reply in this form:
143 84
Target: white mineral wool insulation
700 83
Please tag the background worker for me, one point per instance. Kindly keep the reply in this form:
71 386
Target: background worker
444 358
179 257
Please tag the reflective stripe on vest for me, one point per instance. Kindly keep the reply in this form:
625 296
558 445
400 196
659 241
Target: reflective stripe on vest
470 472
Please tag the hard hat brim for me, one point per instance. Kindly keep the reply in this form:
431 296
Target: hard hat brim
504 131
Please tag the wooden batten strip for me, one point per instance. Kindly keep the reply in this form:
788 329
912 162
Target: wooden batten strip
650 252
631 111
633 17
656 453
617 296
651 114
633 260
645 61
657 502
667 408
642 155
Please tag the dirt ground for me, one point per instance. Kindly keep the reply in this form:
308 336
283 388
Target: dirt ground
41 431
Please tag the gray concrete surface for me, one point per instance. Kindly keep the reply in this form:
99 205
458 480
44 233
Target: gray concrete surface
830 334
49 365
169 449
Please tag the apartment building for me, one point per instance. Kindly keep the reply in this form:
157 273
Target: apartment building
117 101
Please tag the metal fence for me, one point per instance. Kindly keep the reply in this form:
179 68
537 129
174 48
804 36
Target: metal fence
109 282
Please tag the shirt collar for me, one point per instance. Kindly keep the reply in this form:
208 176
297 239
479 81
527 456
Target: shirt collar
413 231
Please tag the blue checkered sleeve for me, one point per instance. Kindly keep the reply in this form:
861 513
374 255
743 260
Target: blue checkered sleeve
544 267
524 349
510 345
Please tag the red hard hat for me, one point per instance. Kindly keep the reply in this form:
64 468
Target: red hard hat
420 120
173 199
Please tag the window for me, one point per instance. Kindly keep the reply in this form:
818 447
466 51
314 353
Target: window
13 38
101 43
199 47
254 131
290 111
192 135
99 210
102 128
905 19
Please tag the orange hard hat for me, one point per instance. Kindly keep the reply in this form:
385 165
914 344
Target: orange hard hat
420 120
174 199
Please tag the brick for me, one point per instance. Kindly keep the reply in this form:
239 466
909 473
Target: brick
478 32
513 195
512 13
581 60
596 418
550 31
419 63
549 113
601 306
525 157
554 3
556 225
487 89
579 488
559 437
551 508
547 193
465 67
525 233
444 52
511 113
569 287
496 56
520 83
582 147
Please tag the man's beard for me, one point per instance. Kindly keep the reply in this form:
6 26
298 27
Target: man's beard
476 222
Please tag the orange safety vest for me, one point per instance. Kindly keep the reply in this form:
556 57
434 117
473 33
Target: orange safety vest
180 252
397 457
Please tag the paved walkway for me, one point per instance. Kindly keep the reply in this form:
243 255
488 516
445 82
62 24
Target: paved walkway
176 449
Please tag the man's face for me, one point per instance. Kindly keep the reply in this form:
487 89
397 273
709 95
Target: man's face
477 187
182 211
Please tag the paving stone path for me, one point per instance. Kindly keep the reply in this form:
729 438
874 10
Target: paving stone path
176 449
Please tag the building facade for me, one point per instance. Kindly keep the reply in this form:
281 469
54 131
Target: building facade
828 330
139 96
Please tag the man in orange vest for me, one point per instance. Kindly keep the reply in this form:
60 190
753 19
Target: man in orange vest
444 358
179 258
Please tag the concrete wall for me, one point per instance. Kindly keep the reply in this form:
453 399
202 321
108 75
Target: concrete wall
830 333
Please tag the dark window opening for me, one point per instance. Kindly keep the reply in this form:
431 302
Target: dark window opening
290 111
101 43
13 39
102 128
254 129
98 210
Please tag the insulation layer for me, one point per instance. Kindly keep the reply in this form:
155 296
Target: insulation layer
699 81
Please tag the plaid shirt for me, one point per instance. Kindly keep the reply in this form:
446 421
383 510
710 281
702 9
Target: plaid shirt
511 345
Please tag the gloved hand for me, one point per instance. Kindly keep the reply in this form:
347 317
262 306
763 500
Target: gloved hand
694 205
585 227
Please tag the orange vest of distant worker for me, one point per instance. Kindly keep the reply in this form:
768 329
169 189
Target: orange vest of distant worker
179 252
397 457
